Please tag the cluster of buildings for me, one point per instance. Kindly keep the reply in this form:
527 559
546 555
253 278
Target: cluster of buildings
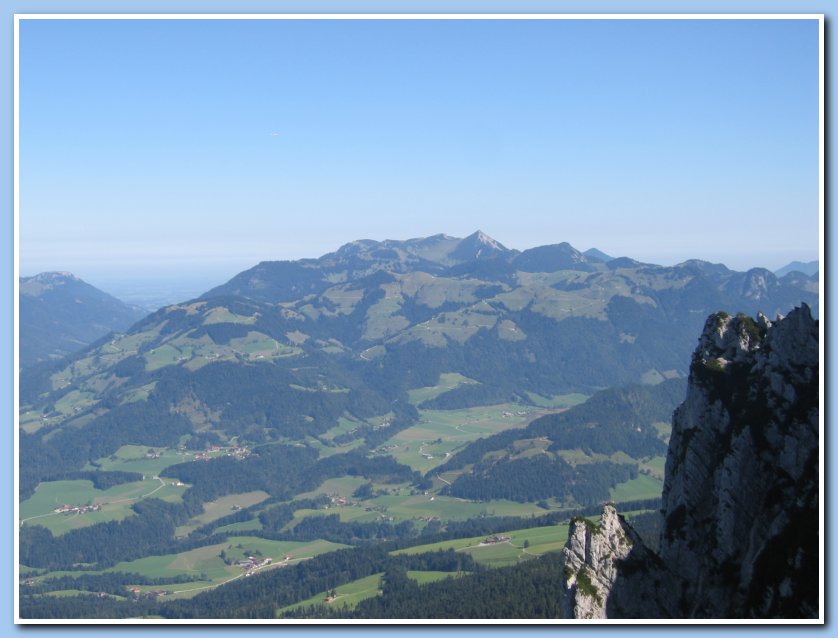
508 414
252 563
78 509
212 451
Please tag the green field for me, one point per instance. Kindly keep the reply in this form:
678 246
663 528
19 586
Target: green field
193 353
350 594
31 421
74 401
60 593
346 514
441 432
640 488
655 465
339 485
432 577
330 449
223 315
347 595
447 508
162 356
115 502
260 346
663 429
447 381
243 526
383 320
206 563
497 555
221 507
141 393
539 540
133 458
345 424
402 502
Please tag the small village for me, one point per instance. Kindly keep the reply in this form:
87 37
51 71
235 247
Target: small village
78 509
239 453
251 564
212 451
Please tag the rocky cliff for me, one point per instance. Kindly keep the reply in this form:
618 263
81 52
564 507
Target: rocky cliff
741 491
611 574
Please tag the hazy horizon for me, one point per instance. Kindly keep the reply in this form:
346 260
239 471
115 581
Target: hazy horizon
203 269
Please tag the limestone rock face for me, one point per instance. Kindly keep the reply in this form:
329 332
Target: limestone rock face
740 499
741 489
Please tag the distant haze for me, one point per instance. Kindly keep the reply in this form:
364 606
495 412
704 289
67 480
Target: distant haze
197 268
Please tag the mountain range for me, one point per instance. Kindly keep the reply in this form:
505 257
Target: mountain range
437 371
374 319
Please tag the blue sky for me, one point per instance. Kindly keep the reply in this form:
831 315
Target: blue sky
203 147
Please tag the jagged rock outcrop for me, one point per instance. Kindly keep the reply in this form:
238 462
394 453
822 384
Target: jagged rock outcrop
740 498
591 556
611 574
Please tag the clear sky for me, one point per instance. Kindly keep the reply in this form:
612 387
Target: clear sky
195 147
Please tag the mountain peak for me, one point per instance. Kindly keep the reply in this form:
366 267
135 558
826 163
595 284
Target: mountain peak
483 238
478 245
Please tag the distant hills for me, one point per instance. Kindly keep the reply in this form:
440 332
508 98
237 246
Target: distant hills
60 314
807 268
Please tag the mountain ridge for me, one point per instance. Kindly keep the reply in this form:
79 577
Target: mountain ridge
60 314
